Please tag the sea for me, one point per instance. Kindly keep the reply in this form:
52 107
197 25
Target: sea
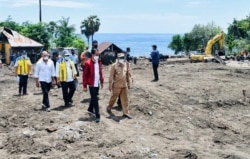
140 44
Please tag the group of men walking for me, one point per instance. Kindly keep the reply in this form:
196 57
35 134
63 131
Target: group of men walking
63 72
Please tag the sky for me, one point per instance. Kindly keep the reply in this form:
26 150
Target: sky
130 16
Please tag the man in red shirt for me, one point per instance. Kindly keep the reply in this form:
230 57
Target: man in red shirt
93 78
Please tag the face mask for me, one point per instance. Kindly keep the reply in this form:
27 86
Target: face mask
96 58
45 58
24 56
121 61
66 58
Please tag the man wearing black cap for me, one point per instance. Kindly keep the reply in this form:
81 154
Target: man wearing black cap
155 62
93 79
95 44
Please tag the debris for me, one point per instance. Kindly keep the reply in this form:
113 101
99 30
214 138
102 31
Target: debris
51 129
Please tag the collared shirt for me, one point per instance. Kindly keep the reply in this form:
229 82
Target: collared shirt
74 58
44 71
118 77
155 57
70 70
89 73
97 75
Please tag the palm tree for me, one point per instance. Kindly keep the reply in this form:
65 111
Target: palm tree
85 31
64 27
65 32
89 26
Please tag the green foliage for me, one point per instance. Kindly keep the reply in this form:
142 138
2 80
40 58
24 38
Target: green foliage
238 36
55 34
79 44
176 44
8 23
37 32
196 39
65 33
89 26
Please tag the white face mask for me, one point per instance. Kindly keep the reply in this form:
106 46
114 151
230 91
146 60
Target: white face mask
96 58
24 56
121 61
45 58
66 58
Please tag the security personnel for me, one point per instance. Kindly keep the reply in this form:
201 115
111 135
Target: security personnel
66 74
22 71
119 84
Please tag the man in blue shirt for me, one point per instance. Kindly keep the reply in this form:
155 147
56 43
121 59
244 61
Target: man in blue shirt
155 62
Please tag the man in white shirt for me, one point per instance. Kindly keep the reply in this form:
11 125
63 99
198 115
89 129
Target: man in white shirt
66 74
45 77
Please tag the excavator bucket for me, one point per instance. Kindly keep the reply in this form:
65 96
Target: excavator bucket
219 60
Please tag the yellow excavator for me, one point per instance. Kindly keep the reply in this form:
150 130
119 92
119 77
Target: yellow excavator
207 56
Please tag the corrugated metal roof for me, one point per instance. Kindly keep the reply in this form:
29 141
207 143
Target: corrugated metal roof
17 40
108 45
103 46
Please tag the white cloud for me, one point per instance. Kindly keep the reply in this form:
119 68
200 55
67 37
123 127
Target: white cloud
68 4
151 17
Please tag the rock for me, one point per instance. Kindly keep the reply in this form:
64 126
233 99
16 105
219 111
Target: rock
28 133
51 129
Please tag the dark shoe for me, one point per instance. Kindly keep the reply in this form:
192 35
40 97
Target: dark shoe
127 116
71 102
25 94
108 110
97 120
155 80
66 105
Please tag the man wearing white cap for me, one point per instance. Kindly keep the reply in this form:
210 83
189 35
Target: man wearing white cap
66 73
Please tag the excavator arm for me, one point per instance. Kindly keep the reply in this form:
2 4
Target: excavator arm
210 43
207 56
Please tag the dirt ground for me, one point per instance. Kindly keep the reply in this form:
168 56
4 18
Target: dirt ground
195 110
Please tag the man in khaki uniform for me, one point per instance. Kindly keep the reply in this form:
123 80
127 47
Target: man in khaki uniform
119 84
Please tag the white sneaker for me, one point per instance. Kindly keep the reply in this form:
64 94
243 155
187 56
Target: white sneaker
47 109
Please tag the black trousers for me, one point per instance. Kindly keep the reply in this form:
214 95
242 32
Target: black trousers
23 82
94 104
155 69
77 70
45 89
68 90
